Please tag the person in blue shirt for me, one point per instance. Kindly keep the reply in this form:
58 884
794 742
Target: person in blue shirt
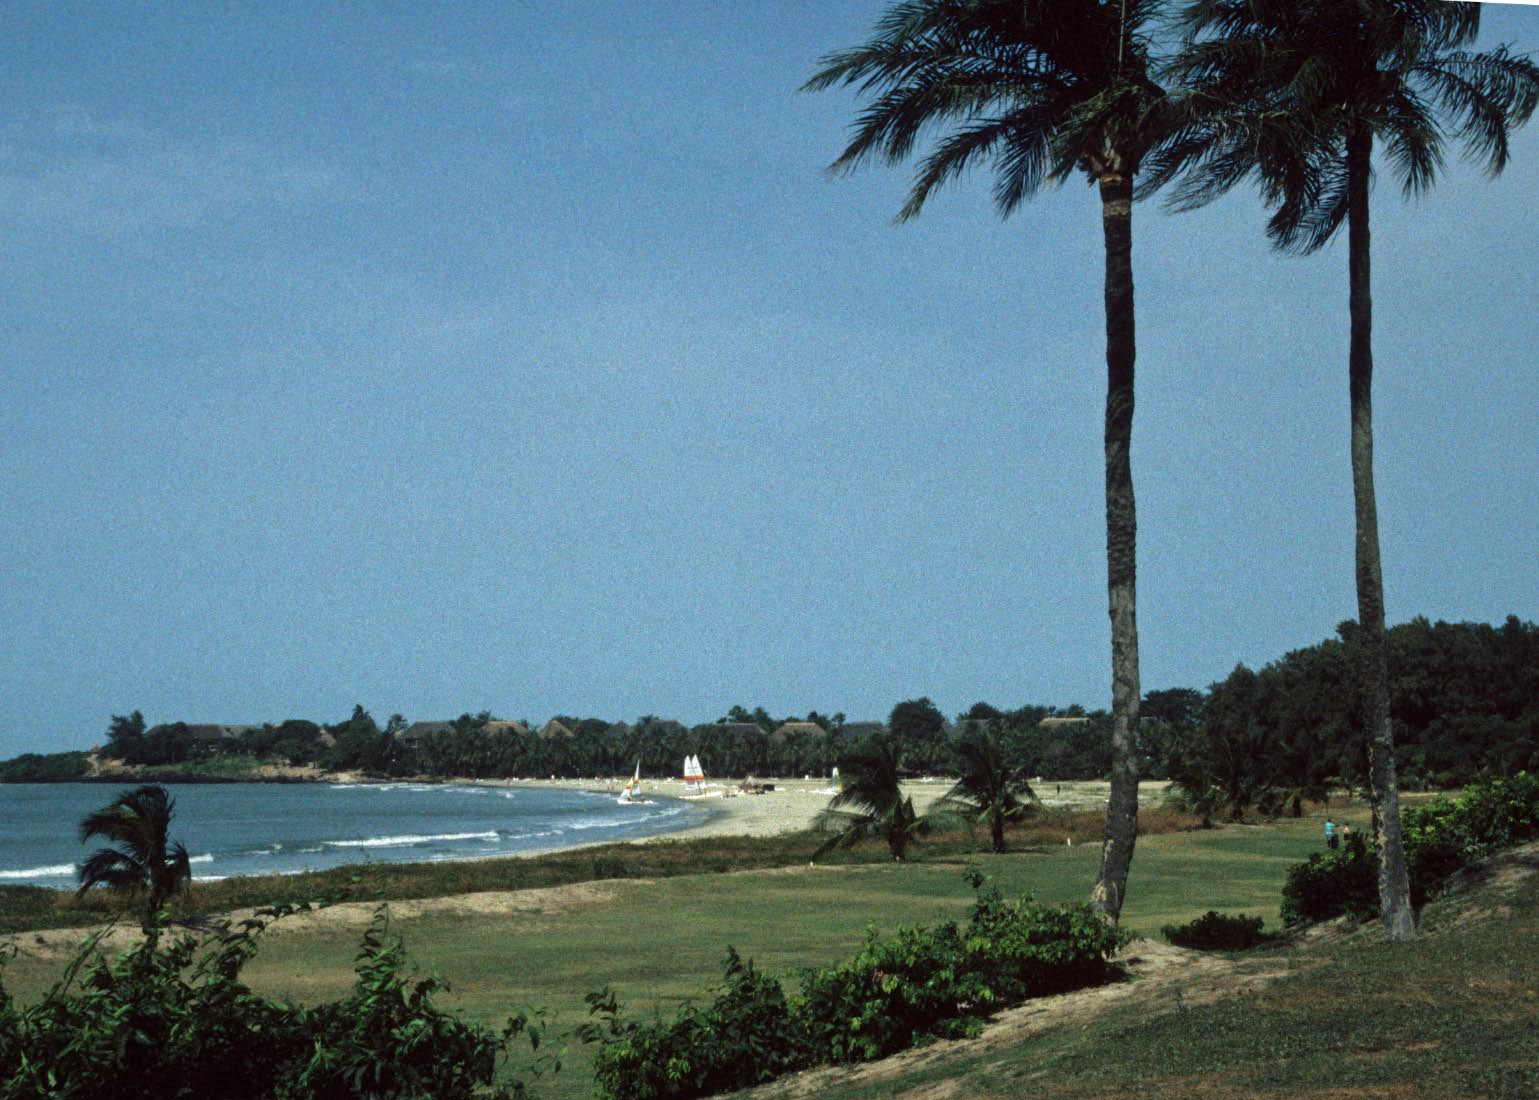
1331 840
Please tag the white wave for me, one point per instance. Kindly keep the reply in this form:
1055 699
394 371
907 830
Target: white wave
534 835
55 870
408 838
207 857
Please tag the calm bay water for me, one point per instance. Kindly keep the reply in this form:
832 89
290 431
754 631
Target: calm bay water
283 828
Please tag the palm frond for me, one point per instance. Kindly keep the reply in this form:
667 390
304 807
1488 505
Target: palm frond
111 868
1035 88
1486 96
1411 141
1324 68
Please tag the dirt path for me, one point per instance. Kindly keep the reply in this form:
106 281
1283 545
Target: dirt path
63 943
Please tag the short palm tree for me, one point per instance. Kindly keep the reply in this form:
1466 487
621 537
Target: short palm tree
1295 93
1044 90
871 803
989 789
138 822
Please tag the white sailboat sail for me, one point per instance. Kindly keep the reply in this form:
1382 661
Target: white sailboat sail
694 775
631 792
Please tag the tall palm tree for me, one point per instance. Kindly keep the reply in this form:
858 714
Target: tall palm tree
138 822
871 802
1044 90
989 789
1296 93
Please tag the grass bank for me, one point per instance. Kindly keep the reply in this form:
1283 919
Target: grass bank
659 938
1453 1014
30 908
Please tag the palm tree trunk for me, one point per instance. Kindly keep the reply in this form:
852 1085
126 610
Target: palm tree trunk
1121 540
1373 701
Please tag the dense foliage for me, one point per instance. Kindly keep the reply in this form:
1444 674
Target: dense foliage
924 983
741 743
1464 699
1332 884
176 1021
1215 931
1442 837
53 767
746 1036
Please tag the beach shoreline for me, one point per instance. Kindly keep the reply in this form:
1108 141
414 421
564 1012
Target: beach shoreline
789 805
794 804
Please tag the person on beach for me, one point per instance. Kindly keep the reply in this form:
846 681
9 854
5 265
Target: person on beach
1331 839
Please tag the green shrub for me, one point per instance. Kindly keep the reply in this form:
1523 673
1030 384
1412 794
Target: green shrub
941 982
923 984
1333 884
1441 837
891 994
1214 931
744 1038
176 1021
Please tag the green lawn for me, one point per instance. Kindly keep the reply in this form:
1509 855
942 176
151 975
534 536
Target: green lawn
659 942
1453 1014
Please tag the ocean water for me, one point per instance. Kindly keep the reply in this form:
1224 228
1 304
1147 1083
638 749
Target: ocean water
285 828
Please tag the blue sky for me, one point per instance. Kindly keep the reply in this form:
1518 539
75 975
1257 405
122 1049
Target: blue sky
455 357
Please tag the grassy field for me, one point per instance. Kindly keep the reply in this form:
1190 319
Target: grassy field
1454 1014
660 941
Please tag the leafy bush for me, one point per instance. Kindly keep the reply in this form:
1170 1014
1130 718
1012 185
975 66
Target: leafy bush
1332 884
924 983
1441 837
1214 931
176 1021
940 982
891 994
744 1038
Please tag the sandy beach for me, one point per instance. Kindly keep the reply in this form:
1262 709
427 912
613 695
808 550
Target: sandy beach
794 803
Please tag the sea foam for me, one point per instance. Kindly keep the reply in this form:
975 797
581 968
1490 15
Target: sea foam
407 839
56 870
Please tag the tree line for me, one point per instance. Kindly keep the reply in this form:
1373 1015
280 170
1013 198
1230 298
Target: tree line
740 744
1464 700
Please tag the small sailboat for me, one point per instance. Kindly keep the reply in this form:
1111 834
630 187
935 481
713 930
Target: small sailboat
630 794
694 780
694 776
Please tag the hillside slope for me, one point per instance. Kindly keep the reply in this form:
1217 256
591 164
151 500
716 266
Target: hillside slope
1336 1013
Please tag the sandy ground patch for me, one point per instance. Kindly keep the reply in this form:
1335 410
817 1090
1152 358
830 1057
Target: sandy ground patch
794 803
